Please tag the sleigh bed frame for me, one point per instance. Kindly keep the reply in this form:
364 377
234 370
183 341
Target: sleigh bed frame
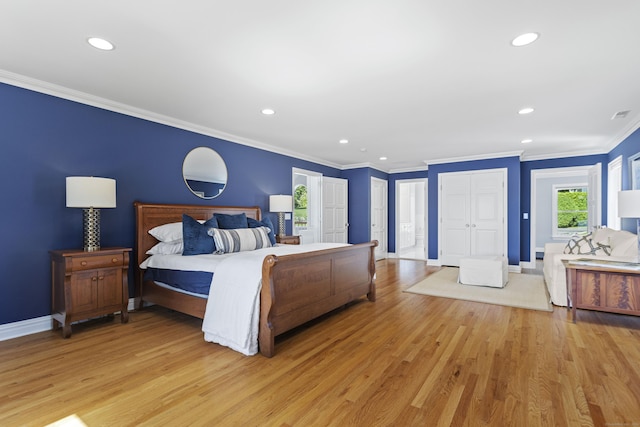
295 288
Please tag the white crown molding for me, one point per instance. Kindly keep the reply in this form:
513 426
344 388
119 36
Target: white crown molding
563 155
624 134
107 104
476 157
405 170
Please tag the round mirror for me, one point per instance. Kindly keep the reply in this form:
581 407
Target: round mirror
204 172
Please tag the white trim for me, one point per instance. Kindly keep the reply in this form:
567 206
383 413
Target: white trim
476 157
37 324
426 211
526 264
25 327
614 170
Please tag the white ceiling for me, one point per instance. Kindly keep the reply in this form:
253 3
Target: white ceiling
414 80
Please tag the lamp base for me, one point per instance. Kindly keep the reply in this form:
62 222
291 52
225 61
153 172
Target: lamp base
91 229
281 230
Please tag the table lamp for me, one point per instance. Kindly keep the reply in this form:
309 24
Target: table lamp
629 207
91 193
281 203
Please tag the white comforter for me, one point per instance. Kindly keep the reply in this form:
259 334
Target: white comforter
232 315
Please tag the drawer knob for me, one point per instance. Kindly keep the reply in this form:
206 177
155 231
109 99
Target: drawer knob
83 263
93 279
114 260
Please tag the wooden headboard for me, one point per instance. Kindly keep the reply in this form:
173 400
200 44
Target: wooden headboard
149 215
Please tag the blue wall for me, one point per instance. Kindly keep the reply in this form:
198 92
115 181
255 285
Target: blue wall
45 138
360 201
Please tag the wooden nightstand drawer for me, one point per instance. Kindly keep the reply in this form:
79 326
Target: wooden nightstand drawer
97 261
288 240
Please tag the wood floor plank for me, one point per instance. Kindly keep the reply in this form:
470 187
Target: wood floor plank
407 359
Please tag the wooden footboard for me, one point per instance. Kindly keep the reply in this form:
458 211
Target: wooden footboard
295 288
298 288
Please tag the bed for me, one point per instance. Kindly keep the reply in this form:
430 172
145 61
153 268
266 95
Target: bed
296 288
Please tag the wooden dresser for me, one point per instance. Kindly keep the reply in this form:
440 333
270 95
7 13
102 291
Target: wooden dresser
88 284
609 286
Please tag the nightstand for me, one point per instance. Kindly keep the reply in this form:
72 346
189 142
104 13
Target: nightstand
288 240
88 284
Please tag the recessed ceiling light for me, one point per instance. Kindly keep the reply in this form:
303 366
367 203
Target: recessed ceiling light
268 111
525 39
526 110
526 141
101 44
363 150
344 141
383 158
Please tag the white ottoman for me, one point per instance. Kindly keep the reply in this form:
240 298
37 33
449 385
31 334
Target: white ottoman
484 271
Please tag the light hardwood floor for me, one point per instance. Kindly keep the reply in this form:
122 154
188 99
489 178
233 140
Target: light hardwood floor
405 360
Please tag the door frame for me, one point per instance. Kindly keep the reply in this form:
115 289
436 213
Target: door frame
317 232
426 213
536 174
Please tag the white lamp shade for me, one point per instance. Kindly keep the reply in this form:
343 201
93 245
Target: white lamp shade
91 192
281 203
629 204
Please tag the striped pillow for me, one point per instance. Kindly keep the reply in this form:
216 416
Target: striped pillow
240 239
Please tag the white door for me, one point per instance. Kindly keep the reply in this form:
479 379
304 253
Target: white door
455 218
411 218
379 216
334 210
472 215
487 214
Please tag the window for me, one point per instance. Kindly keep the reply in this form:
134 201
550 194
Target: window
570 209
300 215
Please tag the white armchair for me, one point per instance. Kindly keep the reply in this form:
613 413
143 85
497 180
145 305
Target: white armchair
623 247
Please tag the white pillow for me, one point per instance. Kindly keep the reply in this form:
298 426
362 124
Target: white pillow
240 239
171 232
167 248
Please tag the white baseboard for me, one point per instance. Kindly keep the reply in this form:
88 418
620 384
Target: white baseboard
25 327
35 325
434 262
528 264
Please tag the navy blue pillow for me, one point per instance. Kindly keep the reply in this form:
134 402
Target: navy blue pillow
228 222
266 222
195 237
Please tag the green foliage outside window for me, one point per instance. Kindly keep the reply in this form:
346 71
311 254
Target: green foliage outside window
300 206
572 208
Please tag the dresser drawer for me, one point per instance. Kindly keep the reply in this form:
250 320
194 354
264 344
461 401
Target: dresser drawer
98 261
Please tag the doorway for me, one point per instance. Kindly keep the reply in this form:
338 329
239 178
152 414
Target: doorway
411 218
307 205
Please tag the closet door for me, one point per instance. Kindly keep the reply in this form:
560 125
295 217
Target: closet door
487 214
455 218
472 215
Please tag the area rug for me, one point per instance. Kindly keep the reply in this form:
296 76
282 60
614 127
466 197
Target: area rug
522 290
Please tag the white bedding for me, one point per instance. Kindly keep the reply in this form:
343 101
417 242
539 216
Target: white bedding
232 315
